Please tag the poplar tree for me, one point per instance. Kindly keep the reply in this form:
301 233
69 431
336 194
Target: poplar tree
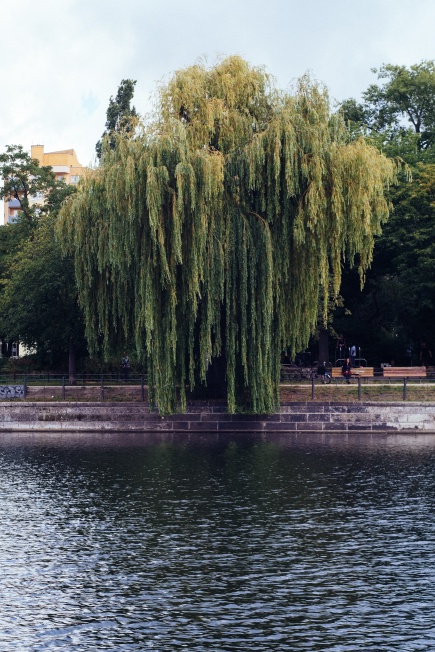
121 117
215 233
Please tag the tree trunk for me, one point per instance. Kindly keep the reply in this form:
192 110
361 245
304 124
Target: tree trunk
323 346
216 382
72 363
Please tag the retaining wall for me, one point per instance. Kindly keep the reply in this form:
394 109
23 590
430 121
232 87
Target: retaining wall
212 417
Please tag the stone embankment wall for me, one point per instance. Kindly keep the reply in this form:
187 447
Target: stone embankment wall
212 417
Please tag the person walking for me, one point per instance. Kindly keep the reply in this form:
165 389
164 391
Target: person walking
352 352
125 365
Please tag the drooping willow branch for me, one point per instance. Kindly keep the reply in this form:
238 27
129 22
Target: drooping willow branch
216 231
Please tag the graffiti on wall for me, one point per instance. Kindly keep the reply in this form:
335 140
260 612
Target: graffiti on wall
11 391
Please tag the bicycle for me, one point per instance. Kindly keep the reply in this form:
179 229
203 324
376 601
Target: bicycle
315 374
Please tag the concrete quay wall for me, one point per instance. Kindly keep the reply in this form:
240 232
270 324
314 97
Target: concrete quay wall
213 417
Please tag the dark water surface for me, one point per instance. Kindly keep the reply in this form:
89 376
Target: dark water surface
130 542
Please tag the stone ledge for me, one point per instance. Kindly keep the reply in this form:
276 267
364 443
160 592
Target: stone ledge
211 417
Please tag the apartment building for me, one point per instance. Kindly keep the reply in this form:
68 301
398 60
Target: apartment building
65 166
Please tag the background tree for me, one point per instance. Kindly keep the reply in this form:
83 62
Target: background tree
405 99
121 116
213 235
396 307
408 93
24 179
38 304
38 293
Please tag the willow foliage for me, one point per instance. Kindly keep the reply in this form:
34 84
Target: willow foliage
217 231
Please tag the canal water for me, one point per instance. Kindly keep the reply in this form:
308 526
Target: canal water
135 542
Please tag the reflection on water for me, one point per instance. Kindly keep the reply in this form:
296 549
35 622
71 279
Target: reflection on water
132 542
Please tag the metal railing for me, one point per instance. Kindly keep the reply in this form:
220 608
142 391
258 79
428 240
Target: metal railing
50 378
88 387
115 387
362 388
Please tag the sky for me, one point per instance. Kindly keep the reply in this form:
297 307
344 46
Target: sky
61 60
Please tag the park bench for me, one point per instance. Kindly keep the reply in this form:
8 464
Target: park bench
289 372
361 372
404 372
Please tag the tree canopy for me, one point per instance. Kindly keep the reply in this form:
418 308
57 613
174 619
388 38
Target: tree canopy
214 233
396 308
121 117
38 304
405 96
38 293
24 179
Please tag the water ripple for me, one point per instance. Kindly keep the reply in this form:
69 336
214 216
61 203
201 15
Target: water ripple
122 542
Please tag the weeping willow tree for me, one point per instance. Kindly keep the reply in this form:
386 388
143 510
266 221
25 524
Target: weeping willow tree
214 234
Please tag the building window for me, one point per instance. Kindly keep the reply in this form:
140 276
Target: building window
74 178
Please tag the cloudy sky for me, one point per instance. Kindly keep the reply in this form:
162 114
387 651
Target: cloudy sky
61 60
